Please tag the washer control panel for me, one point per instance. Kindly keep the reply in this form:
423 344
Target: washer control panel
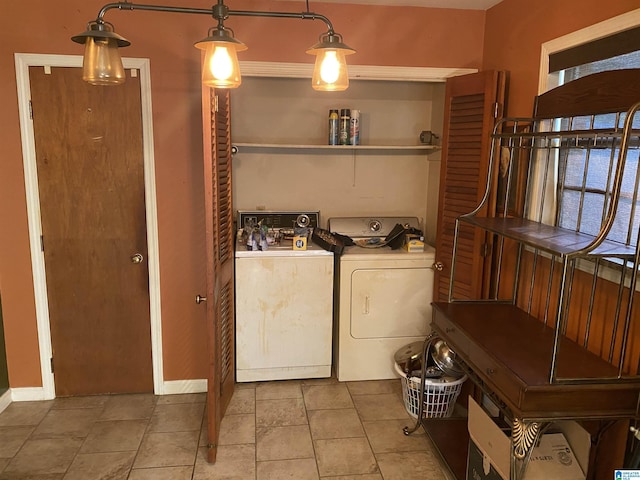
278 220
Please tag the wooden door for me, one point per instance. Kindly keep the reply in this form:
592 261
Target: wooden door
89 159
472 105
220 236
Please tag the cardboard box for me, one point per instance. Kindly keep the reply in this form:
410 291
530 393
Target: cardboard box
553 458
489 447
562 454
479 466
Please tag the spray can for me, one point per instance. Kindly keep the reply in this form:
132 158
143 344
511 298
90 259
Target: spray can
354 128
345 120
334 127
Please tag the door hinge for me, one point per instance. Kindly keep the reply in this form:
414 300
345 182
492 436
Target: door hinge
215 103
41 243
30 109
51 364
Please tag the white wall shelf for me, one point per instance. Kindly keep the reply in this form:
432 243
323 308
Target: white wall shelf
290 146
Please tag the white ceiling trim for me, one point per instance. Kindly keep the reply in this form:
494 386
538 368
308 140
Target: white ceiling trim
359 72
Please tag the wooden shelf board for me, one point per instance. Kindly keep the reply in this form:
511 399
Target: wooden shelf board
451 438
511 353
553 240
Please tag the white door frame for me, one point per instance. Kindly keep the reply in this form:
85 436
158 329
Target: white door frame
141 67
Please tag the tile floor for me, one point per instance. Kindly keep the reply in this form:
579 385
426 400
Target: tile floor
307 429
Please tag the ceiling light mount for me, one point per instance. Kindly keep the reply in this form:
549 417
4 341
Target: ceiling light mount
103 66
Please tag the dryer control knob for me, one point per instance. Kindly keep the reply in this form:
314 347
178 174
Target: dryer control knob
303 220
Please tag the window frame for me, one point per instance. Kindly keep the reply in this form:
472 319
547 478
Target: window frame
547 81
605 28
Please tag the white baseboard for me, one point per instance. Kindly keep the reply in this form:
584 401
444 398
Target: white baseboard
27 394
173 387
5 400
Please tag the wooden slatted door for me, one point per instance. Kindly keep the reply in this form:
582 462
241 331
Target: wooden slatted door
219 255
472 104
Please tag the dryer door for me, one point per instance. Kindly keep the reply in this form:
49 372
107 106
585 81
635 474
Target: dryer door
391 302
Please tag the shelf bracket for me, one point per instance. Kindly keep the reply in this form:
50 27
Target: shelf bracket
525 436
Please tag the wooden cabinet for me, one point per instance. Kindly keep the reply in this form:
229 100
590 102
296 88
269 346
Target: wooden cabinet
558 336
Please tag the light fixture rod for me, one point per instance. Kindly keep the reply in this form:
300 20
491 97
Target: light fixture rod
156 8
210 11
302 15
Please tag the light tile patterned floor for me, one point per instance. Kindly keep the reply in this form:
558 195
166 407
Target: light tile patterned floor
299 430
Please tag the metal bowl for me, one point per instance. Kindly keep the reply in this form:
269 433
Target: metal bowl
409 357
445 358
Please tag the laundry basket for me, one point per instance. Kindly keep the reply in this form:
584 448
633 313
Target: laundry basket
439 397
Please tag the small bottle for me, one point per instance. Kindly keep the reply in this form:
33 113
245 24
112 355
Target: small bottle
334 127
354 128
345 120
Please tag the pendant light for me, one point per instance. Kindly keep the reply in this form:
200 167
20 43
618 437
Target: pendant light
102 64
220 68
330 70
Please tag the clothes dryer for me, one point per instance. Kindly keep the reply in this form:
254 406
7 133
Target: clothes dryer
382 298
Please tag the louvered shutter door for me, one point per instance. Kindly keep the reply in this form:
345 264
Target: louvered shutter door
471 103
224 246
219 247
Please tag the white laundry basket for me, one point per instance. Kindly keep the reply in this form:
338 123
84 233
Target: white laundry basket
439 397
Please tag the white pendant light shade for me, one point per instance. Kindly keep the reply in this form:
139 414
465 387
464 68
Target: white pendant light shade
330 71
220 68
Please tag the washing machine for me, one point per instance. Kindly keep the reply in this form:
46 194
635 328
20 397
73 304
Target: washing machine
382 297
284 301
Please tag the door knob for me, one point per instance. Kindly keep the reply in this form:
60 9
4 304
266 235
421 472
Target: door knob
438 266
137 258
200 299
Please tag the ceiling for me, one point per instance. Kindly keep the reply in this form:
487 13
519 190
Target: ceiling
458 4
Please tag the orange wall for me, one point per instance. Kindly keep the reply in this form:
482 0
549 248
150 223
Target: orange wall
516 29
382 36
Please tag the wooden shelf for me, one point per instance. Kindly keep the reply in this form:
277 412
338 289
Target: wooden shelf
553 240
543 341
512 352
450 436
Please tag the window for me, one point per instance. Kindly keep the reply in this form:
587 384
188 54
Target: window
585 172
586 181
